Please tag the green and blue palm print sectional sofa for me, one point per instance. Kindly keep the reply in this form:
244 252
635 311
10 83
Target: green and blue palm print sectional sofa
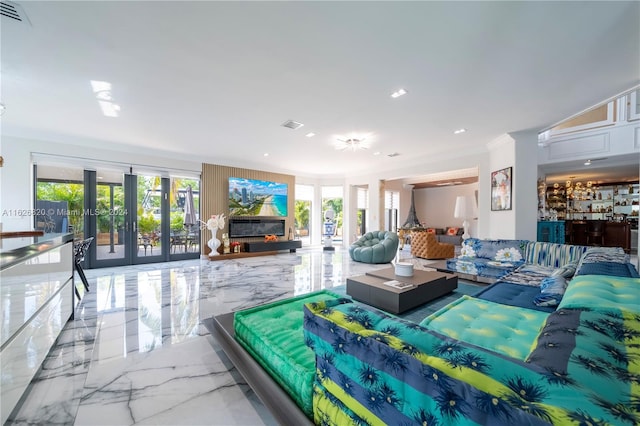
477 361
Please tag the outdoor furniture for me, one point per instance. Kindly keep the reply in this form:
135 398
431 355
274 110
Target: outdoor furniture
178 240
193 241
145 241
80 248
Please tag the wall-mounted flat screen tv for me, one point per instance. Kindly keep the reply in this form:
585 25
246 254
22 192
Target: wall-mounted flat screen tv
253 197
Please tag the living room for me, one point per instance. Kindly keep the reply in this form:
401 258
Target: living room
186 105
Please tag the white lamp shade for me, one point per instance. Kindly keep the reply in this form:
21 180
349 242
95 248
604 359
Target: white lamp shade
465 207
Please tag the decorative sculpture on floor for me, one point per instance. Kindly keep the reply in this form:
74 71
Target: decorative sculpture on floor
329 229
412 219
214 223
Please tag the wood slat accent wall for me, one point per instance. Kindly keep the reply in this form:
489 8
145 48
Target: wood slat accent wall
214 196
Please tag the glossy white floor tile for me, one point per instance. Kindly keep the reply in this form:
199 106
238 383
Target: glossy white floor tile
136 353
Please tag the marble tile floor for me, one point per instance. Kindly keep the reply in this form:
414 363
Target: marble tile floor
136 352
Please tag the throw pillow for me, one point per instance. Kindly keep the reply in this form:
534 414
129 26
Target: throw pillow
431 230
566 271
452 231
551 291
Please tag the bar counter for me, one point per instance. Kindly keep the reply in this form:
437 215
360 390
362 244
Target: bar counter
598 233
36 301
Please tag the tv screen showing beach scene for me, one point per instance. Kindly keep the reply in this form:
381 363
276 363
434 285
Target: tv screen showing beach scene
253 197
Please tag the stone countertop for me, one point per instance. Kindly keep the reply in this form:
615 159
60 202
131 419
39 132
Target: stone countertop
18 249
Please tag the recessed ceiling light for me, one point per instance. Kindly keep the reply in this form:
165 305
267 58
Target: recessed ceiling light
377 153
457 132
398 93
266 154
587 163
310 134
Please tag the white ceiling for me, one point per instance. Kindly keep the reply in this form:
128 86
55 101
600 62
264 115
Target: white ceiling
213 81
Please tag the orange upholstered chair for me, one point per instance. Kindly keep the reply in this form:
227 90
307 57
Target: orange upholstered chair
426 246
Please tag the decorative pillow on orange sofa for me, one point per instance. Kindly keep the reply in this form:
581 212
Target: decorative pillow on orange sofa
452 231
431 230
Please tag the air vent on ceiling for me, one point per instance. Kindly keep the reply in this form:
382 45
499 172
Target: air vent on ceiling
12 11
292 124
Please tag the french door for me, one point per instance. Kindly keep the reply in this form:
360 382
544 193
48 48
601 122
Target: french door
127 215
139 218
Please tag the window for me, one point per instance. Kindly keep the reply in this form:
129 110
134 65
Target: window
391 205
302 213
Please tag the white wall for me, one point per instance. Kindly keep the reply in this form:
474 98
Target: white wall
435 206
16 176
525 192
502 224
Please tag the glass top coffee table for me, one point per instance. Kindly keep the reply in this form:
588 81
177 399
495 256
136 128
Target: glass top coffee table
393 293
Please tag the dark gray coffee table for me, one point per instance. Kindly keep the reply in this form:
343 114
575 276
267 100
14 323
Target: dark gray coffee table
427 286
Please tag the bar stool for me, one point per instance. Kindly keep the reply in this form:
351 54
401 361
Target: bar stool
595 233
568 232
79 252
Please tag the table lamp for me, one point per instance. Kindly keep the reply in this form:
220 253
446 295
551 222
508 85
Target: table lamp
465 210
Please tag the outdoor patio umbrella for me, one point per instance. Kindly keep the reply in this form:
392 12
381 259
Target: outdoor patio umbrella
190 218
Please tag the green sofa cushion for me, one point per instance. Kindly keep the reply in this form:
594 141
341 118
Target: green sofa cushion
508 330
602 292
273 335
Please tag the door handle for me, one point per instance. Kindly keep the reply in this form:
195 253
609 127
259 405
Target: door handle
135 226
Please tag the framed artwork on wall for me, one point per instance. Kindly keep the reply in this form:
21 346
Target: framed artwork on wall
501 189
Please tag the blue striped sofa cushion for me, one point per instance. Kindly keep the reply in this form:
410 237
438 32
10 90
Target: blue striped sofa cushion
552 254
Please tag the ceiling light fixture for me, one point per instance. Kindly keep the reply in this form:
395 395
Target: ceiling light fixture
587 163
352 144
457 132
310 134
266 154
398 93
377 153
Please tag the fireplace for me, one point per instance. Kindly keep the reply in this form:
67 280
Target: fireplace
241 227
